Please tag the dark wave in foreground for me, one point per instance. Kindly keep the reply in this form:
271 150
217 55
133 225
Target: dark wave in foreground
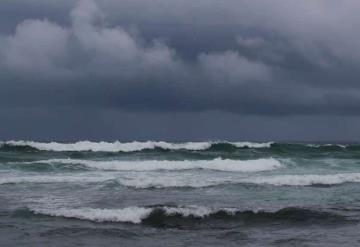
223 146
178 216
160 218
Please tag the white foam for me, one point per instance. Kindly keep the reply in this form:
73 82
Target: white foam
196 211
252 144
305 180
143 181
326 145
52 179
129 214
151 165
134 180
139 181
110 146
168 180
126 146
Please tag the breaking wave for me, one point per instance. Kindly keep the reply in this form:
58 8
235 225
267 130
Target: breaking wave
307 180
52 179
152 165
138 181
159 180
124 147
144 181
167 216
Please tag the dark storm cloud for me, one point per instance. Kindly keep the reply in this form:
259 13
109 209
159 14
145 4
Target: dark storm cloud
250 57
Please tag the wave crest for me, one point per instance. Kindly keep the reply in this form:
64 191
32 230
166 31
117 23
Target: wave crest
161 216
152 165
83 146
136 146
156 180
307 180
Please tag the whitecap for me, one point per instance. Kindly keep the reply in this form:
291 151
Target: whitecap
127 146
306 180
110 146
132 214
151 165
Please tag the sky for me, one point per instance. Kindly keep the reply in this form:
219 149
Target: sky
254 70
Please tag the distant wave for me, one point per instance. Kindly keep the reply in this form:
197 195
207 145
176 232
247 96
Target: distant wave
52 179
113 147
327 145
151 165
125 147
145 180
174 215
251 144
138 181
277 180
306 180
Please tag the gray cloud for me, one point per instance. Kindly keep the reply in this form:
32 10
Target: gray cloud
38 46
258 57
82 48
90 50
230 67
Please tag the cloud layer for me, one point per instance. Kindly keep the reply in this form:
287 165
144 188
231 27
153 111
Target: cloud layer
246 57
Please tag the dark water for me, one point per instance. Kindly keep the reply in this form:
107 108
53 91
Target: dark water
179 194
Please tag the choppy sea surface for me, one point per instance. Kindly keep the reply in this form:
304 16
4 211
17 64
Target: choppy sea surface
179 194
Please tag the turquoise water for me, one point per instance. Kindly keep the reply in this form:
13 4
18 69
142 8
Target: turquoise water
159 193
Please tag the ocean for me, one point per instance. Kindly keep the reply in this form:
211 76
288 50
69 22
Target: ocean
179 194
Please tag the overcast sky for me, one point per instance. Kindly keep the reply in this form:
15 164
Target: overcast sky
180 70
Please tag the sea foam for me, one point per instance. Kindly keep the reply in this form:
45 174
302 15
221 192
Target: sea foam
276 180
151 165
127 146
252 144
306 180
176 180
130 214
53 179
173 215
